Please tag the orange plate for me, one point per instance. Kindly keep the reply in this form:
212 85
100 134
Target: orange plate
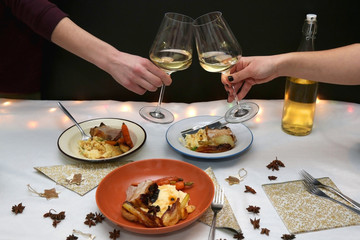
111 192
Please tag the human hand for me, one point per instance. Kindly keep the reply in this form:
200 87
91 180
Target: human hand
137 74
248 72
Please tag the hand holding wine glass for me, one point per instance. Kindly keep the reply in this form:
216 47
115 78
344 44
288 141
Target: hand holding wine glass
218 51
171 51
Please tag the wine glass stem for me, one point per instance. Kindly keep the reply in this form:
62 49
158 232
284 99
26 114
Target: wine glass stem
235 95
227 72
162 90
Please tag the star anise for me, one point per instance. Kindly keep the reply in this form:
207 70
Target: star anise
18 208
253 209
255 223
114 234
99 217
239 236
72 237
90 216
249 189
288 236
265 231
275 164
90 222
272 177
92 219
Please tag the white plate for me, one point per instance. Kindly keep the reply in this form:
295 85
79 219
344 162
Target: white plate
68 142
173 136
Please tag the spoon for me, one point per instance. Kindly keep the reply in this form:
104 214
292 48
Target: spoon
84 135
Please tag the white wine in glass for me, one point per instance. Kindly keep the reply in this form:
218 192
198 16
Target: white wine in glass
218 51
171 51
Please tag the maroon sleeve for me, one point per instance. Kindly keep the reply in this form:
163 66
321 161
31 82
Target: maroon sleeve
41 16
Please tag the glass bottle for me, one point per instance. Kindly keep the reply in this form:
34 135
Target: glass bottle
301 94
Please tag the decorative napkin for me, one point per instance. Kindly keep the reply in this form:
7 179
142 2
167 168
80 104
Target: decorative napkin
226 217
303 212
69 175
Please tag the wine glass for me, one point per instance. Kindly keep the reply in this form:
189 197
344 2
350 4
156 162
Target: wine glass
170 51
218 50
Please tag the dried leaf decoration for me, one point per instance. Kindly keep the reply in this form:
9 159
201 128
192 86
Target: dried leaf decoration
56 217
18 208
88 235
75 179
48 193
232 180
236 180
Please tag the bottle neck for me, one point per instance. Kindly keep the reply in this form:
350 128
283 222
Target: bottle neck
308 38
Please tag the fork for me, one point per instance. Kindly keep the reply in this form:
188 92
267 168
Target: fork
310 179
216 205
311 188
83 134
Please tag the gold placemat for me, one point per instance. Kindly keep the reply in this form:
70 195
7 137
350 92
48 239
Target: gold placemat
303 212
226 217
91 174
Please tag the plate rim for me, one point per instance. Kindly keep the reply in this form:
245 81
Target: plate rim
205 156
106 159
158 230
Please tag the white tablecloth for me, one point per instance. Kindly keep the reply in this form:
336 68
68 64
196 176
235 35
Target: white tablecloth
30 129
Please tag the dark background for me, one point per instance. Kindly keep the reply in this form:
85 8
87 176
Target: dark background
263 27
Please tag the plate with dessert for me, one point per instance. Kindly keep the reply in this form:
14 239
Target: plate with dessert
166 195
111 139
209 143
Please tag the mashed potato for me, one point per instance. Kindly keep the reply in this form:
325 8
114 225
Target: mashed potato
97 148
167 196
193 141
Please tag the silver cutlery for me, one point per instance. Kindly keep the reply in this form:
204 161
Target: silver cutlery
215 124
311 188
83 134
310 179
216 206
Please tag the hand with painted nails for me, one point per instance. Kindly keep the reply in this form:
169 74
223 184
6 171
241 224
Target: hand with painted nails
248 72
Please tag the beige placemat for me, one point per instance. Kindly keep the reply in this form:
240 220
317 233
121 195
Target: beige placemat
91 173
225 218
303 212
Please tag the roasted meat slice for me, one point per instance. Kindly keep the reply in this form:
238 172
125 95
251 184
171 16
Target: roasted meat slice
105 132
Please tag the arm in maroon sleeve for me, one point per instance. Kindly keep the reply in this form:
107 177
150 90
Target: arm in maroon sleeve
41 16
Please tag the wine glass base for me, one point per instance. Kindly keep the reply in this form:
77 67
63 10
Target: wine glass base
241 112
161 116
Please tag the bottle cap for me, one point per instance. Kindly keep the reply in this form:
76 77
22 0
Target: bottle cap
311 17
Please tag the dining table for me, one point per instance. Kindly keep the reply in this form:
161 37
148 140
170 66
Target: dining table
30 130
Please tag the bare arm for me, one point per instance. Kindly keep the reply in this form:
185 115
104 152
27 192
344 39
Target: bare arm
335 66
133 72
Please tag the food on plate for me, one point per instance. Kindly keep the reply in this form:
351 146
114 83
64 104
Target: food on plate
106 142
158 203
211 140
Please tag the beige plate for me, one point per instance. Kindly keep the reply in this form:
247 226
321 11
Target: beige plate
68 140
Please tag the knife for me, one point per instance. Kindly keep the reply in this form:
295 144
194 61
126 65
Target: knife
219 123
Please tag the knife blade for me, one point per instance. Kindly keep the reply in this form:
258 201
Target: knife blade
219 123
